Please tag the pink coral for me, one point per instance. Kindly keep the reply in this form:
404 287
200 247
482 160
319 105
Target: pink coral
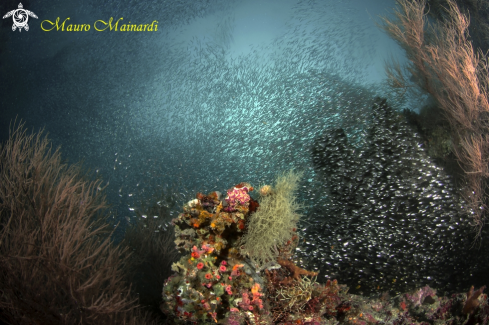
237 196
207 248
196 253
419 295
228 290
235 271
246 303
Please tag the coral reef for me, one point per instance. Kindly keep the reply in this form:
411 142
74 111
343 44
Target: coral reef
214 282
44 251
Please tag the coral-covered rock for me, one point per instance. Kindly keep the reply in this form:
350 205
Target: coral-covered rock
238 198
214 282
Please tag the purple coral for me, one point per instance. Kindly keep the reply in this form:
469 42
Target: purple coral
419 295
237 196
235 319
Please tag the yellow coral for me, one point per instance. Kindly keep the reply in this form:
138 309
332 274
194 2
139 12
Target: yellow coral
275 221
265 190
219 208
204 215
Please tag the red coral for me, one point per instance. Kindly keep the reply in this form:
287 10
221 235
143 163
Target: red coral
241 224
313 305
329 298
295 270
200 196
253 205
403 305
343 307
244 184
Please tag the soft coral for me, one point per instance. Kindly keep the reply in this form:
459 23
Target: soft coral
472 301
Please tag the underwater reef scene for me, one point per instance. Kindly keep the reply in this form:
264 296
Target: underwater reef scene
391 201
237 268
237 261
282 191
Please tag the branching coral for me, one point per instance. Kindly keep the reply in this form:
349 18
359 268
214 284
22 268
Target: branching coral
297 295
275 221
302 298
444 64
57 262
294 270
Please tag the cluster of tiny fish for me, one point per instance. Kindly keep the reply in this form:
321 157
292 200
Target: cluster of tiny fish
146 110
204 118
392 220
